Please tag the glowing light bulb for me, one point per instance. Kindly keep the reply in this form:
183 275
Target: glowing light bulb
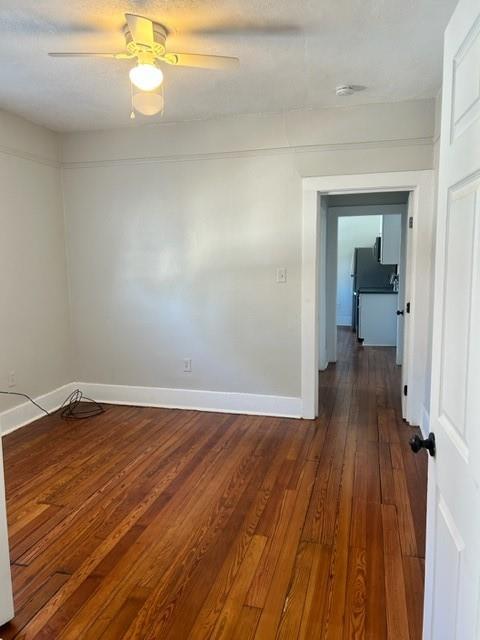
146 77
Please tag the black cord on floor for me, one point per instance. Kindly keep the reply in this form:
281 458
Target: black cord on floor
24 395
76 406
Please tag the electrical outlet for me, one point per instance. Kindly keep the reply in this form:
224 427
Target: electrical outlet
281 275
187 365
12 379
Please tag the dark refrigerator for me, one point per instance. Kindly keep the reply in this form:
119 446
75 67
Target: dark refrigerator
368 273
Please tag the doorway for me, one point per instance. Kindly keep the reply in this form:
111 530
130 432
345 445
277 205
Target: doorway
366 269
316 340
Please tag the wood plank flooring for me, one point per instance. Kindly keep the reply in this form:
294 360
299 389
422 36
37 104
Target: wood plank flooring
165 524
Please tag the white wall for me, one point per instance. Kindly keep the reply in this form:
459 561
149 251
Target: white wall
353 232
34 322
179 261
335 138
174 233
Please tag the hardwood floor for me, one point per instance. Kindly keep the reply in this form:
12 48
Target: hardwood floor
164 524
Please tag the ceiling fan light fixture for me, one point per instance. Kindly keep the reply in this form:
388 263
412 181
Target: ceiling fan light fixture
146 41
146 77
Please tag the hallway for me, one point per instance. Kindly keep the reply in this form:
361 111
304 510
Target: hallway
378 486
152 523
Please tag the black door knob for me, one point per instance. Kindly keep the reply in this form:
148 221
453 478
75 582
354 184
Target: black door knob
416 443
400 313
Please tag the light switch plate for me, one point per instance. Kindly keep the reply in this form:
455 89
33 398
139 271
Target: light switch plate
281 275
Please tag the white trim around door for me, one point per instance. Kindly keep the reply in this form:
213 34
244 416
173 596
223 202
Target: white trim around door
418 278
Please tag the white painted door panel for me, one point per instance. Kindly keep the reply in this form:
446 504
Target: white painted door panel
452 598
6 603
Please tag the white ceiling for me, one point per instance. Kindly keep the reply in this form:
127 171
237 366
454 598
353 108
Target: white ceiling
292 55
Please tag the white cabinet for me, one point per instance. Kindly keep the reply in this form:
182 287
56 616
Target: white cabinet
377 319
390 247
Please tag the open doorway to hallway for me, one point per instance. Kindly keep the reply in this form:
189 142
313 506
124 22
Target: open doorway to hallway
365 272
419 266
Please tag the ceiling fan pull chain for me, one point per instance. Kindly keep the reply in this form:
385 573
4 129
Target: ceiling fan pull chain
132 112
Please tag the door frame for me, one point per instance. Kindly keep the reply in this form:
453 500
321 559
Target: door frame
420 184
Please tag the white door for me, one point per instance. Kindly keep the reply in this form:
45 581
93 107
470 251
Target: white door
6 604
452 598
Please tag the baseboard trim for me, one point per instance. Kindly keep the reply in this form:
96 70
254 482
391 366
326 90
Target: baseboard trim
215 401
26 412
374 344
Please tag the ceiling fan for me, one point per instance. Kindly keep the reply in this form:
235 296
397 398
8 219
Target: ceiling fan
147 42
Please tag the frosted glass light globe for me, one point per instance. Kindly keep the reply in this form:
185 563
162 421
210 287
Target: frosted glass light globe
146 77
147 103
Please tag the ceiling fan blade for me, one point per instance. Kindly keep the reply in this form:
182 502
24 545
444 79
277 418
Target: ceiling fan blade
141 28
32 21
201 61
248 29
73 54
